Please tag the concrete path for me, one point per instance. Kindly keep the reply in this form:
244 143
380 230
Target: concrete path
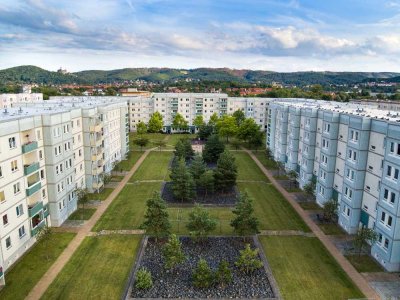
357 278
84 231
287 233
108 232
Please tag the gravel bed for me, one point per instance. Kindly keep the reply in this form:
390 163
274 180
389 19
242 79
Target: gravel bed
178 284
224 199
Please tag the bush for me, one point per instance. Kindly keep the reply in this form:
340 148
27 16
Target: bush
143 279
248 260
223 275
203 276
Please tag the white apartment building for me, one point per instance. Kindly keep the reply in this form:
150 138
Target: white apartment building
10 100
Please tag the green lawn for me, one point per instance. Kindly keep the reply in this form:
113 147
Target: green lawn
269 164
102 195
127 209
116 178
364 263
154 167
127 164
247 168
180 216
152 137
304 269
24 275
174 138
77 215
310 205
99 269
271 208
331 229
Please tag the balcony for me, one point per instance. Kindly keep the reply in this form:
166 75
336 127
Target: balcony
96 128
33 210
35 230
96 143
46 210
29 169
28 147
33 189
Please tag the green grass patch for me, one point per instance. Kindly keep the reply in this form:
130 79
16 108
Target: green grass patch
152 137
154 167
127 209
175 137
247 168
271 208
304 269
269 164
99 269
293 189
82 214
116 178
310 205
281 177
331 229
364 263
127 164
179 218
25 274
102 195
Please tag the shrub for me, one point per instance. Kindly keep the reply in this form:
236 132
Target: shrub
203 276
223 275
143 279
248 260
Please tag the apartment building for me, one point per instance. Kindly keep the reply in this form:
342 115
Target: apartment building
10 100
353 153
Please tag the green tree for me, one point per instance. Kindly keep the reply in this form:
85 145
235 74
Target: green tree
248 260
83 198
172 252
156 218
198 167
155 122
223 275
330 209
236 144
213 149
364 234
200 222
247 130
207 182
180 123
141 142
226 126
226 172
160 144
293 175
257 140
205 131
143 279
310 187
213 120
244 223
106 177
183 184
141 128
183 149
239 117
202 276
45 235
198 121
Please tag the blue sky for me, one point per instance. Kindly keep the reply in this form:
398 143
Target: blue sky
266 35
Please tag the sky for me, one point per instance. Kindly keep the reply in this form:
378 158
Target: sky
275 35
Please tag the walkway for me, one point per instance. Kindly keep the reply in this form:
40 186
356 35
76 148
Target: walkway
357 278
84 231
287 233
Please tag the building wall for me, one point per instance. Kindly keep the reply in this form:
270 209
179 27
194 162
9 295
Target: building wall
10 100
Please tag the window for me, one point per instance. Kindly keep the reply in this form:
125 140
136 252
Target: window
17 188
322 174
350 174
57 150
325 143
386 244
327 127
12 143
5 220
389 221
1 172
321 190
40 154
354 135
352 155
19 210
44 193
383 217
348 193
324 159
2 197
8 242
389 196
21 231
14 166
392 173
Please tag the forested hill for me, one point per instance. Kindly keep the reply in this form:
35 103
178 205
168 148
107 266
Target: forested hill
33 74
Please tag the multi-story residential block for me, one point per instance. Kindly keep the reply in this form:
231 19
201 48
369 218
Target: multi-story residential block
353 153
10 100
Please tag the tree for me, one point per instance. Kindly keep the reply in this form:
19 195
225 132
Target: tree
172 252
205 131
248 260
226 126
180 123
213 120
200 222
83 198
239 117
160 144
310 187
247 130
226 172
236 144
202 276
330 209
143 279
223 275
213 149
281 167
106 177
207 182
183 184
198 121
364 234
141 142
155 122
257 140
141 128
198 167
293 175
244 223
45 235
183 149
156 221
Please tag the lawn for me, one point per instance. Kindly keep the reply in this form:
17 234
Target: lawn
24 275
247 168
272 209
102 195
99 269
331 229
179 218
174 138
154 167
269 164
310 205
77 215
304 269
116 178
364 263
152 137
127 164
127 209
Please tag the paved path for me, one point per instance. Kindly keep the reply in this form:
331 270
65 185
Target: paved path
108 232
287 233
357 278
83 231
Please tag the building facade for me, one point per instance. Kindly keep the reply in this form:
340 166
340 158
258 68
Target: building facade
11 100
352 151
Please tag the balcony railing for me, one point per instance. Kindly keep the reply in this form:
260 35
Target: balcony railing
29 147
29 169
35 209
35 230
46 210
33 189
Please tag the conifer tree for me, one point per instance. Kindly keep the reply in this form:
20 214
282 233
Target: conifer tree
172 252
244 223
226 171
203 276
248 260
183 184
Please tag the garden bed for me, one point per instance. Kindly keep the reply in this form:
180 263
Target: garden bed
178 284
227 198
